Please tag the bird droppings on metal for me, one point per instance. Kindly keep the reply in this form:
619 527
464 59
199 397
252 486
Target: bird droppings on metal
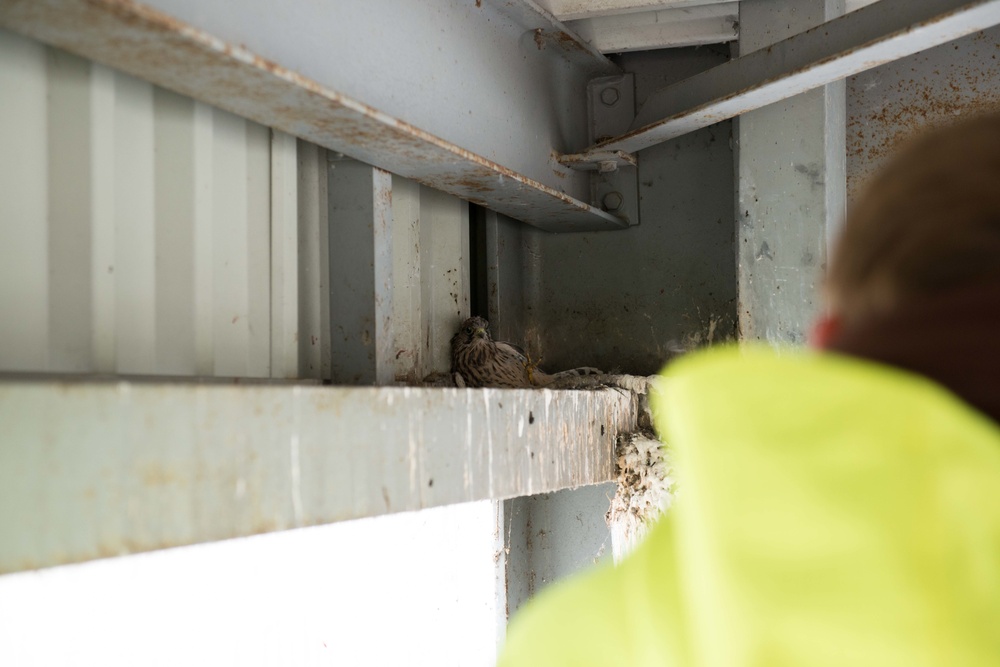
175 450
891 104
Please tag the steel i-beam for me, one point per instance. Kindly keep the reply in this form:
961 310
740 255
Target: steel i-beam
475 99
866 38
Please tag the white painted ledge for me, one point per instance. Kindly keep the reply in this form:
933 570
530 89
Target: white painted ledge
90 470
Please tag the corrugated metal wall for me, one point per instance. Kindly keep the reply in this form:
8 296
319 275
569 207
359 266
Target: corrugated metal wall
145 233
135 233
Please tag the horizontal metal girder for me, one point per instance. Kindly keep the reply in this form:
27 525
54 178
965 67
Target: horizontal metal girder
663 28
869 37
475 99
91 470
568 10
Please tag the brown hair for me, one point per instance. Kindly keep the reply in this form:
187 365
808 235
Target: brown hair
928 223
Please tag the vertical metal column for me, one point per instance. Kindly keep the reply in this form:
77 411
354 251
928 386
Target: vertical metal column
444 282
409 352
284 256
504 273
554 535
360 273
314 262
430 296
791 183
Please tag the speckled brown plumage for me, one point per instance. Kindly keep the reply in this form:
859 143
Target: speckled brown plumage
483 362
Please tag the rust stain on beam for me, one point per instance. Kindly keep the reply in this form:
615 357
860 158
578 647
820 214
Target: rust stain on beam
154 46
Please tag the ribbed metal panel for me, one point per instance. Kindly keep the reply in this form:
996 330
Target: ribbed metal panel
135 225
142 232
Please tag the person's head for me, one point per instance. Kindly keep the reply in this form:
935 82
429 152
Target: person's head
928 224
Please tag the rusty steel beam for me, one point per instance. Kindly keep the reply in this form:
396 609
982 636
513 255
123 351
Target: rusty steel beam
91 470
871 36
475 99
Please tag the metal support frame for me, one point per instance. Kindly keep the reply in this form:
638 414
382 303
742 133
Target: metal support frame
855 42
790 160
664 27
431 285
314 339
553 536
285 310
478 112
490 131
361 280
91 470
611 108
569 10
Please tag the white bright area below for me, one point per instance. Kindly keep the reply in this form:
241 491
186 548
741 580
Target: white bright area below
413 588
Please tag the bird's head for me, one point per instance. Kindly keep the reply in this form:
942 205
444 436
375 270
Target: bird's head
473 328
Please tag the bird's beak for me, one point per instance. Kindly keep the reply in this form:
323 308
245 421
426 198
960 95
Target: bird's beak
479 333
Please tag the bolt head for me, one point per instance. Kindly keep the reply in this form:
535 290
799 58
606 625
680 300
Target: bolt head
613 201
610 96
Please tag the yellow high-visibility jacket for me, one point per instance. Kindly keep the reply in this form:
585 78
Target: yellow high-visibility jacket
831 512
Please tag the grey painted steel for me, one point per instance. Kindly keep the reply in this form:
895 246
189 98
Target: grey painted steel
633 299
94 470
314 263
430 286
611 107
554 535
548 31
445 281
790 185
507 276
871 36
284 249
479 111
665 27
361 282
569 10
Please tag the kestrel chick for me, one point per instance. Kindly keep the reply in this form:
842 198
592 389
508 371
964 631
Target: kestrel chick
483 362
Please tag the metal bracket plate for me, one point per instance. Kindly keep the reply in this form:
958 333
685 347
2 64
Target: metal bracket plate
614 185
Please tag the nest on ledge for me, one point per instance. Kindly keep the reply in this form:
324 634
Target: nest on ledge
645 490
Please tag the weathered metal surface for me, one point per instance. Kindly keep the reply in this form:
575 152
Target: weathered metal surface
361 273
553 536
568 10
633 299
858 41
890 104
488 139
430 285
790 187
668 27
89 470
603 162
315 354
550 31
610 109
284 251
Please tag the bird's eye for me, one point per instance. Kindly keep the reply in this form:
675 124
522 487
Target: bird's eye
468 330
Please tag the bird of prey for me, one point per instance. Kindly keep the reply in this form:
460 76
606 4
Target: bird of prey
483 362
